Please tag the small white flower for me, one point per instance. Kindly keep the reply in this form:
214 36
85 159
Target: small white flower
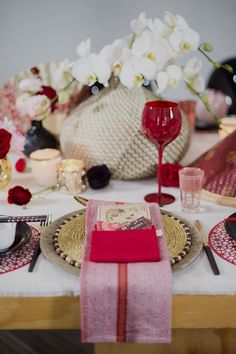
184 40
130 76
157 50
158 28
173 21
92 69
197 83
84 48
138 25
21 103
192 67
162 81
62 75
169 78
30 84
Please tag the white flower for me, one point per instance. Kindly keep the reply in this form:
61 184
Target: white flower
169 78
38 107
21 102
84 48
192 67
62 75
173 21
197 83
30 84
191 74
158 28
184 40
156 50
92 69
138 25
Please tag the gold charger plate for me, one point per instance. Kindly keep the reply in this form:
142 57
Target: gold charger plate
62 242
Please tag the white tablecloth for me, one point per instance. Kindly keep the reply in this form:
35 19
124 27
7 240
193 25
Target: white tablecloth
49 280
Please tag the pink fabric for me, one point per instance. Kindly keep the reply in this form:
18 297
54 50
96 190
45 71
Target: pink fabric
148 316
124 246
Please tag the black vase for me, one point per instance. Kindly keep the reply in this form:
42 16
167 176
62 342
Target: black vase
37 137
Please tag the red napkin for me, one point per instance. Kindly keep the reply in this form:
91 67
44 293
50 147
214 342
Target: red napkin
125 246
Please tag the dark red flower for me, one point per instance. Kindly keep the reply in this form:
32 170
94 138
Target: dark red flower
51 94
5 139
170 174
20 165
19 196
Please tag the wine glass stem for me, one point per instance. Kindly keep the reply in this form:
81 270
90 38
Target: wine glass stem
160 153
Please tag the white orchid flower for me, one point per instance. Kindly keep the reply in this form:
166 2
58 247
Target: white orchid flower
197 83
62 75
84 48
191 74
169 78
158 28
184 40
138 25
135 70
30 84
173 21
192 67
92 69
156 50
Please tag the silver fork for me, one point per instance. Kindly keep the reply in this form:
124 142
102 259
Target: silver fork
37 249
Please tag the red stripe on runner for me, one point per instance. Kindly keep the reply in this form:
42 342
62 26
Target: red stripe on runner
122 301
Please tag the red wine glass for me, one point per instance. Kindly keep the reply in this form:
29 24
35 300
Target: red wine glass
161 121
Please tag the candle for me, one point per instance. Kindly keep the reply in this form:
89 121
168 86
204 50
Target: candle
71 175
44 164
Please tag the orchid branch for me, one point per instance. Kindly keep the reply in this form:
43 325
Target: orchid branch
206 47
204 99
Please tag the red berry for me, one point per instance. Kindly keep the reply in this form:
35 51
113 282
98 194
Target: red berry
20 165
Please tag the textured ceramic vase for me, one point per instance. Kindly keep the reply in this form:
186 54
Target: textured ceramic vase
5 172
37 137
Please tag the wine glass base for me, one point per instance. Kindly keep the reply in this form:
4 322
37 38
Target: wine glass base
164 198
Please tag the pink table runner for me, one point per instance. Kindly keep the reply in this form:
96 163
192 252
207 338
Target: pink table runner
125 302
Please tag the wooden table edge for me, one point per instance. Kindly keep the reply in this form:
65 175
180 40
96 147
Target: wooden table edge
63 312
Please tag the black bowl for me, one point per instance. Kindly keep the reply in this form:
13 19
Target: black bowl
230 226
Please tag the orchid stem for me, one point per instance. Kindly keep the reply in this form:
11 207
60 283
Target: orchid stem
205 102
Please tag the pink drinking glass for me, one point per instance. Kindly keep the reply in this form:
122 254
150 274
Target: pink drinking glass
161 122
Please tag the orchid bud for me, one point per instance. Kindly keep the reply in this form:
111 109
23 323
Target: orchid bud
206 47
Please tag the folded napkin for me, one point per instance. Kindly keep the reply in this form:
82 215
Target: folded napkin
123 302
125 246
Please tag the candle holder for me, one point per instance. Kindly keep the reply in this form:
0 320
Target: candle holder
71 176
44 166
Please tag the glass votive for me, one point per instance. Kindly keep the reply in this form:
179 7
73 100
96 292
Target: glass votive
44 166
190 182
71 176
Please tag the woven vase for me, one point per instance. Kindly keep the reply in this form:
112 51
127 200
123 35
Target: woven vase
106 129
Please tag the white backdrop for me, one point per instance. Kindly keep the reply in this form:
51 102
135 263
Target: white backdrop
33 31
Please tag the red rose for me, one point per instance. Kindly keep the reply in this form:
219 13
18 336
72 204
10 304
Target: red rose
170 174
19 196
20 165
5 138
35 71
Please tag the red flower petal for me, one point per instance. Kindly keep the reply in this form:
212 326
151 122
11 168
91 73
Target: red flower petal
20 165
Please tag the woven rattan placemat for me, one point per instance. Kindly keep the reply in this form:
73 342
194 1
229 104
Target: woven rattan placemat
62 243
